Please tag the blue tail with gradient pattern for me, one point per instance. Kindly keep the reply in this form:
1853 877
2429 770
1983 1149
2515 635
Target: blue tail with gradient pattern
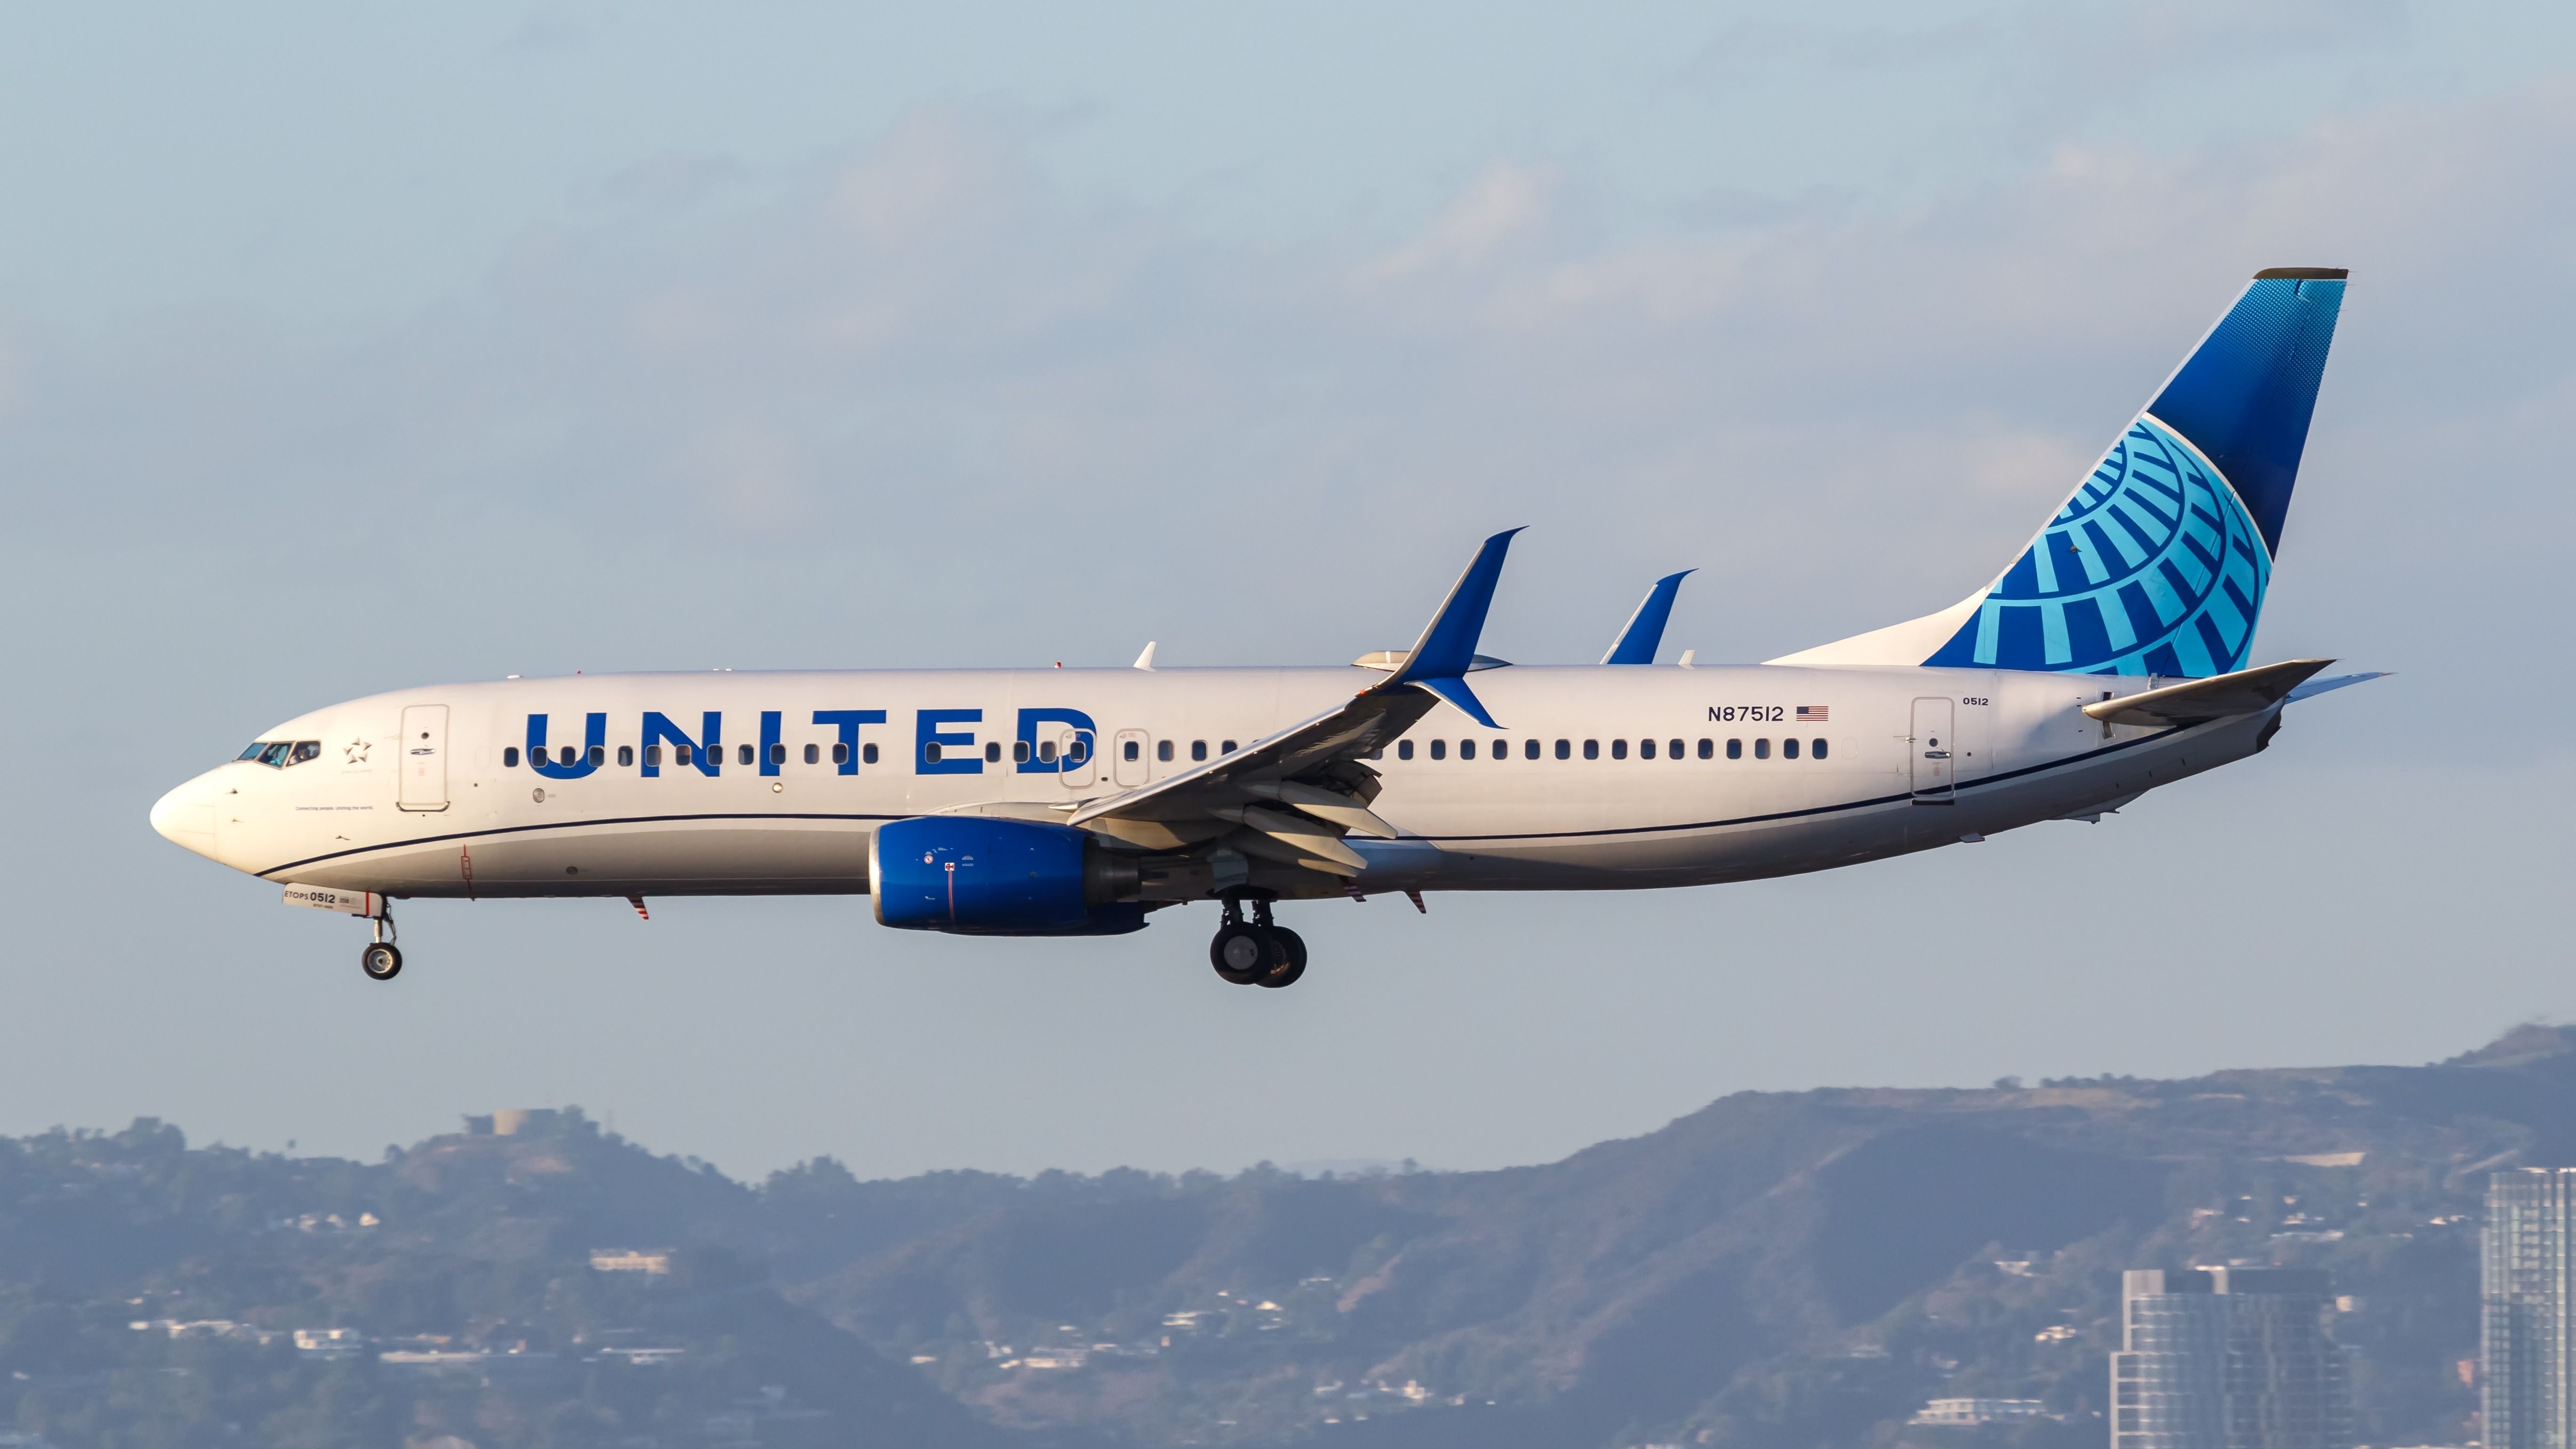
2159 562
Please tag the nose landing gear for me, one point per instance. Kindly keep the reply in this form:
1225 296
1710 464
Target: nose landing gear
1259 952
382 959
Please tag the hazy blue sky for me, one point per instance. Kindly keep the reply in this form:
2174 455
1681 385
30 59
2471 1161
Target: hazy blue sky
341 351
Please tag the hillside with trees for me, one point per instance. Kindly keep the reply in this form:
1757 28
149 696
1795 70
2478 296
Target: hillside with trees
1776 1269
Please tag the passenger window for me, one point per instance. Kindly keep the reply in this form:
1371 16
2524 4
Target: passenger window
1618 749
1225 747
813 754
625 754
1677 749
1788 749
1820 749
1529 749
652 755
1645 749
1019 752
867 754
1198 749
1439 749
1502 749
1046 752
1707 749
742 754
1735 749
841 753
510 758
1466 749
1080 752
1592 749
1565 749
992 752
930 753
683 754
1163 751
598 756
1404 749
1133 751
564 756
778 754
1761 749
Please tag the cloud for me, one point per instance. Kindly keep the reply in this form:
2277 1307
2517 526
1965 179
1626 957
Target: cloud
927 352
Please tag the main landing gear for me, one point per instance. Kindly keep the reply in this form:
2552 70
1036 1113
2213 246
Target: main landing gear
1260 952
382 960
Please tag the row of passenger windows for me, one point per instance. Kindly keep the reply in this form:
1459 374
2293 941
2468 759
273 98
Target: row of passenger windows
1079 752
687 755
1646 749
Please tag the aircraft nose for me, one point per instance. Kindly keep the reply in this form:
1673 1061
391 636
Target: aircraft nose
186 816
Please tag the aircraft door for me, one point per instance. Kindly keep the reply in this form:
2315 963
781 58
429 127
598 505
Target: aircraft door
424 757
1074 760
1932 746
1128 763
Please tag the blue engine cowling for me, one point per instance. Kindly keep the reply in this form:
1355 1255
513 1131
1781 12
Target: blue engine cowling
975 875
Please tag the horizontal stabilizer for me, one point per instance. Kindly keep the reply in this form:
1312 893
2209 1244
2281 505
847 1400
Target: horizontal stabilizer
2331 682
2247 691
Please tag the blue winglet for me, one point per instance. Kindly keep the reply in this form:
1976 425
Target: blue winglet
1638 642
1447 648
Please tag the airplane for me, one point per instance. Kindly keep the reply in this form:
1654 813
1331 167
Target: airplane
2111 656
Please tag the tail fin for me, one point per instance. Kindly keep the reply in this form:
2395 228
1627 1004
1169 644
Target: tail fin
2158 563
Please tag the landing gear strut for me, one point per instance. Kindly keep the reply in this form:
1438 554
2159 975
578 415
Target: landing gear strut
382 960
1259 952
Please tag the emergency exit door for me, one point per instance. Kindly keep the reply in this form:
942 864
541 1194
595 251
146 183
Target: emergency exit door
1131 765
1932 746
423 757
1074 760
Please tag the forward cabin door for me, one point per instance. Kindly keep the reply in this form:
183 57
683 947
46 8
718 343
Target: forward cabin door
1130 764
1933 744
424 757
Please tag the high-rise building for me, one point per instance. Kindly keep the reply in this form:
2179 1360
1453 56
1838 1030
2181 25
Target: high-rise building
2528 1306
2228 1358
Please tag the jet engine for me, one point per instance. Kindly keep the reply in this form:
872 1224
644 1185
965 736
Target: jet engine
974 875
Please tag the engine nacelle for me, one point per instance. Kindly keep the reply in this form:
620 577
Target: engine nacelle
975 875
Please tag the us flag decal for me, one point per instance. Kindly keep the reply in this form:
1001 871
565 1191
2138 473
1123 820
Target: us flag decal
1814 713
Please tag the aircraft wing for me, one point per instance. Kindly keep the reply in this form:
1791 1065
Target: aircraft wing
1292 795
2198 701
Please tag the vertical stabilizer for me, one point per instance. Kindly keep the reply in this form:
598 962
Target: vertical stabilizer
2158 563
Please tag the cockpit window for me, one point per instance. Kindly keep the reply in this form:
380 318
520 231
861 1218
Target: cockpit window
278 754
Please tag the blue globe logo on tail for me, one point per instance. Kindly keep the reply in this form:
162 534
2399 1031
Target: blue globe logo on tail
2153 567
2158 563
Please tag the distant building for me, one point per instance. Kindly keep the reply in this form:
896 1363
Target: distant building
2228 1358
628 1260
1967 1412
516 1122
2528 1317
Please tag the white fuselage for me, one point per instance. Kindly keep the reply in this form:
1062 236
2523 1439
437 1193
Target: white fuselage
411 793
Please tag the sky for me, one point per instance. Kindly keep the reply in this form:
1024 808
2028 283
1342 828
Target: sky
343 351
